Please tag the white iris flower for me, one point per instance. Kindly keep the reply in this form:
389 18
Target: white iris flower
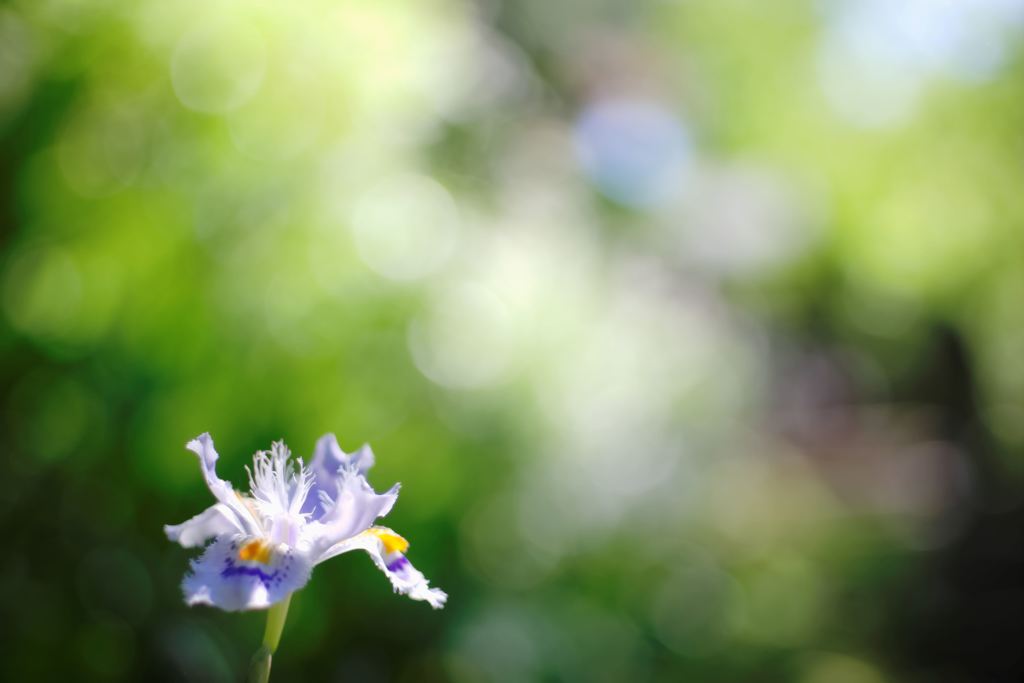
266 544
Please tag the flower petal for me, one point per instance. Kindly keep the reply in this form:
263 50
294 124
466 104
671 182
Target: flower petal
354 509
328 460
216 520
202 446
242 573
387 550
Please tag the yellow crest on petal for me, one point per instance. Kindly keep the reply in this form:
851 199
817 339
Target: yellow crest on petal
393 543
255 551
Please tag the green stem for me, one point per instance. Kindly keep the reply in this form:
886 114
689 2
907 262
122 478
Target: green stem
259 668
275 624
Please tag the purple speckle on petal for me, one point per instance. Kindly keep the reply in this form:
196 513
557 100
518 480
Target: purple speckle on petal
263 576
397 563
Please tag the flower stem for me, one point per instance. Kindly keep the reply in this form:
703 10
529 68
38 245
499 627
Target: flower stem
259 668
275 624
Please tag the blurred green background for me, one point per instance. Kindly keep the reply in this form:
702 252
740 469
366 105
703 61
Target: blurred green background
694 330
